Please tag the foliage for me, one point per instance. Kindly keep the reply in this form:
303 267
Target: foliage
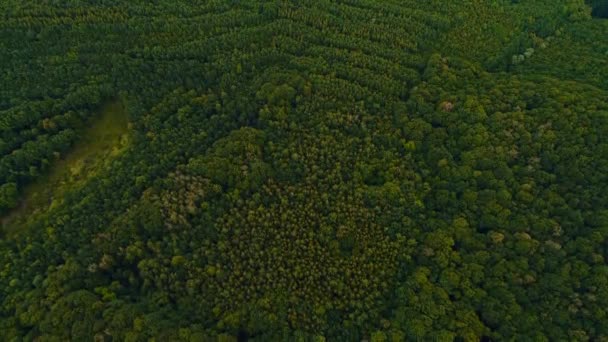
321 170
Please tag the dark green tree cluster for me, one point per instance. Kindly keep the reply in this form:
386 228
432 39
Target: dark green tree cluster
599 8
323 170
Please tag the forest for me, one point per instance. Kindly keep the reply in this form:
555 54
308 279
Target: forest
323 170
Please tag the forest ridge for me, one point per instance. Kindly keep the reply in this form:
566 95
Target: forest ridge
324 170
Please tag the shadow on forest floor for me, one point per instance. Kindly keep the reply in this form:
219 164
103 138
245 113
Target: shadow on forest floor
599 8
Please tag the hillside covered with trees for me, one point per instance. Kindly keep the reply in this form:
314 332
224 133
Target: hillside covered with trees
324 170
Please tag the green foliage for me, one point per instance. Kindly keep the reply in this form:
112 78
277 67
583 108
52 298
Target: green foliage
105 137
8 196
577 10
307 171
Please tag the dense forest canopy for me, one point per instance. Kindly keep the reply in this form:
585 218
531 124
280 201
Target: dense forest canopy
322 170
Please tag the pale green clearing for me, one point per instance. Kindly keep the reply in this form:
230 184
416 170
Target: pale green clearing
103 138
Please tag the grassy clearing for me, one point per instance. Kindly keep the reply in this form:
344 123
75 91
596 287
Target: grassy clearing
103 138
